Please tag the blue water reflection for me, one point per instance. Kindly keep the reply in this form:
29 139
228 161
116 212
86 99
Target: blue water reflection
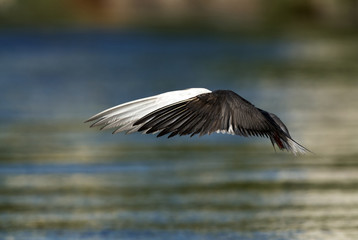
39 69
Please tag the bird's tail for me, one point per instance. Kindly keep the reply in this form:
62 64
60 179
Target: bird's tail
287 143
284 140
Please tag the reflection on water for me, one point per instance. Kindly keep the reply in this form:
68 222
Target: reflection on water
61 180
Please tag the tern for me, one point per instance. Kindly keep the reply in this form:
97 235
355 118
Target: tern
197 111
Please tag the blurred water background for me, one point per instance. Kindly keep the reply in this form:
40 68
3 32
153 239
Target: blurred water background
61 180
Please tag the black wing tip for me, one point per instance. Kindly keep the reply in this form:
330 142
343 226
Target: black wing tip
91 119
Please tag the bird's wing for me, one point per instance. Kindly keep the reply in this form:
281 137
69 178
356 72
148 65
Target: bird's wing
123 116
219 111
197 111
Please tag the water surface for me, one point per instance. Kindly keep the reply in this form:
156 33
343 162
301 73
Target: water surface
61 180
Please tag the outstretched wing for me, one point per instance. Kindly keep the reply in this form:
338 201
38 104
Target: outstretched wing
123 116
197 111
219 111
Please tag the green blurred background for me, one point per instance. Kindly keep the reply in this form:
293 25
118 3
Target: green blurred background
292 16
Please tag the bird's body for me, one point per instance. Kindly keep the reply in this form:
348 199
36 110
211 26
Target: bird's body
197 111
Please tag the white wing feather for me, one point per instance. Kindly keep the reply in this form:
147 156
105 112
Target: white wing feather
123 116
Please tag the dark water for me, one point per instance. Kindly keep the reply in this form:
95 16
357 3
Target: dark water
61 180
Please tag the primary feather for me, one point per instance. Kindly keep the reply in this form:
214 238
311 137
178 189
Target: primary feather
123 116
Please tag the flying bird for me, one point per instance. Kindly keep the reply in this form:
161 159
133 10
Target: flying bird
197 111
